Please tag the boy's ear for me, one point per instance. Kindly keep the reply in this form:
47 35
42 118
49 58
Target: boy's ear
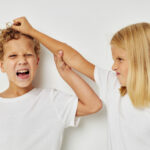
2 66
38 59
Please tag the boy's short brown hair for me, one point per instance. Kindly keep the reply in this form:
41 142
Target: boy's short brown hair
9 34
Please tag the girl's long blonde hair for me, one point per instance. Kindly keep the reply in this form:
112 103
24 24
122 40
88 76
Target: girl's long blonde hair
135 39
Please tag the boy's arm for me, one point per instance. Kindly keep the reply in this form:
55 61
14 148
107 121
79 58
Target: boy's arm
88 102
71 56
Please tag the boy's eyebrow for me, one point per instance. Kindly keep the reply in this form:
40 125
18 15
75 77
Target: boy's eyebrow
12 52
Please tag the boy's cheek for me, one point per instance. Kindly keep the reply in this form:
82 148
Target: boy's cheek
38 60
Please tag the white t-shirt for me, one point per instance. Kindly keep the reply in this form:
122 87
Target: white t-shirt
36 120
128 127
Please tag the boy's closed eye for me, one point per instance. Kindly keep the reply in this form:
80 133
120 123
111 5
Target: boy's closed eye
12 56
28 55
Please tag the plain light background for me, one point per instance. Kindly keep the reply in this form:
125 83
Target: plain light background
86 25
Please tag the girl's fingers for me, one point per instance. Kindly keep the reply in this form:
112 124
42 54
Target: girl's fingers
15 27
22 25
17 23
19 19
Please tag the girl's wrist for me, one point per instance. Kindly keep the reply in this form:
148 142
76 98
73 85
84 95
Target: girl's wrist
32 32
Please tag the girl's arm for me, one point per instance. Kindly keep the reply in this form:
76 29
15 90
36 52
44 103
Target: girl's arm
88 102
71 56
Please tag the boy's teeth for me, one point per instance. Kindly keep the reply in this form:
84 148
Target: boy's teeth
22 71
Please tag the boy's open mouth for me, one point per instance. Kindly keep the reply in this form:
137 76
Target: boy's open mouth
23 74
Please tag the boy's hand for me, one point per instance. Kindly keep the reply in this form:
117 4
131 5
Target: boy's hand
60 64
22 25
88 102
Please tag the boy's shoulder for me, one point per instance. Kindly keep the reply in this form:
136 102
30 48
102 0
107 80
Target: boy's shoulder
4 94
34 92
53 93
45 91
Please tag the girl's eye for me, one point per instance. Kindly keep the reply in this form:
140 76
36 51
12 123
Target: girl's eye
120 59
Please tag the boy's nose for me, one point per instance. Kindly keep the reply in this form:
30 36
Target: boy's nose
22 61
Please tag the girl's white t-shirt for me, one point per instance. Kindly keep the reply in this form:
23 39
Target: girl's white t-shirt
128 127
36 120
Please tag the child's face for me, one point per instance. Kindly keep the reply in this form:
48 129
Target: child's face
120 65
20 61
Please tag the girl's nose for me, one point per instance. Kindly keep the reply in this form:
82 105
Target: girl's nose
114 67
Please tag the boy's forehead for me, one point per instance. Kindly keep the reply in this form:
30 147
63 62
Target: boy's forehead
23 43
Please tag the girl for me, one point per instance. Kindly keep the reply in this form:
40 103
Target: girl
125 90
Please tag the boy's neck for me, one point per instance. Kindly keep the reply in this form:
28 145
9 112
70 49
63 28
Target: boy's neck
14 91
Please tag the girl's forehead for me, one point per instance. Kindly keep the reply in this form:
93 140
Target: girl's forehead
117 51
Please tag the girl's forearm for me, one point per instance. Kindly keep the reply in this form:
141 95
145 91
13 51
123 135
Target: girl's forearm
54 45
71 56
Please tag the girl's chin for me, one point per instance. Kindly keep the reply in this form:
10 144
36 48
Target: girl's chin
122 83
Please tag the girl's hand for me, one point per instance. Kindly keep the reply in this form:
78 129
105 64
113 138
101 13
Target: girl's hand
22 25
62 67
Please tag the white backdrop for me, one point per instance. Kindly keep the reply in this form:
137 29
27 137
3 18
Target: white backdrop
86 25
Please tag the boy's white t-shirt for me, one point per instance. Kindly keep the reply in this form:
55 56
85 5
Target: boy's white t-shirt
128 127
36 120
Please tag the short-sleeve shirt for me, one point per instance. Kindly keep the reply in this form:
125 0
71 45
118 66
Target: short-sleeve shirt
128 127
36 120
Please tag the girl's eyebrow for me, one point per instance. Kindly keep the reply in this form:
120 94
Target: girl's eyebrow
119 57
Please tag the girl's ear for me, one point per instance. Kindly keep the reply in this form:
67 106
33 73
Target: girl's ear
2 66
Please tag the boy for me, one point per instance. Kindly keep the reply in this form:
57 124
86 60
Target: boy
33 118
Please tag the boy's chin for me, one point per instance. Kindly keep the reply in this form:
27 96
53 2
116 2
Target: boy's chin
23 85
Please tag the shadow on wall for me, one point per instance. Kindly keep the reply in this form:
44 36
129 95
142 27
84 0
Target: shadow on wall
88 135
44 76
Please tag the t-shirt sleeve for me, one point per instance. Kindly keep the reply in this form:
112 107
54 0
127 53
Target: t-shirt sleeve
106 81
66 107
